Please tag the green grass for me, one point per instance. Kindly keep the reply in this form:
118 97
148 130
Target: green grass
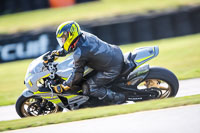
82 12
181 55
83 114
11 81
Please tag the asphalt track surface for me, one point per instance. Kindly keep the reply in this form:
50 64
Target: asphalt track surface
186 88
183 119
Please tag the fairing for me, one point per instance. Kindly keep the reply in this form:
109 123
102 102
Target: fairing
37 71
145 54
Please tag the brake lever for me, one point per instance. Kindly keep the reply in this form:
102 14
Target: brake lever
48 57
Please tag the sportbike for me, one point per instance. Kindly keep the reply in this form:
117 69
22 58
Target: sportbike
138 81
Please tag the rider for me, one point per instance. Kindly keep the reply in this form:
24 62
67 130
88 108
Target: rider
90 51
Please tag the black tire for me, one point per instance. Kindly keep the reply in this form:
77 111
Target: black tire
19 105
164 75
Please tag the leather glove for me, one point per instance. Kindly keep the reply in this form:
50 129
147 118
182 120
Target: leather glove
65 88
55 52
60 52
60 88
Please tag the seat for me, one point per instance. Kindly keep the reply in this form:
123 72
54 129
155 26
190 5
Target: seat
129 65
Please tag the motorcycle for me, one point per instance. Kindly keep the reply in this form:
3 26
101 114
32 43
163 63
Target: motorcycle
137 81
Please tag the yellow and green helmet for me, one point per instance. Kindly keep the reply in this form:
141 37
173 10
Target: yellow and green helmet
67 33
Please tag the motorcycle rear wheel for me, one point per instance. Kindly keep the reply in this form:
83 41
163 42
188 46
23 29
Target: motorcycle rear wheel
162 79
28 106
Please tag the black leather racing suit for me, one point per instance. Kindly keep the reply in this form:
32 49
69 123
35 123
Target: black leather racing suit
105 58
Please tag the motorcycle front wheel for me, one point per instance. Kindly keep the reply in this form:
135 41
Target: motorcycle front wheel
35 106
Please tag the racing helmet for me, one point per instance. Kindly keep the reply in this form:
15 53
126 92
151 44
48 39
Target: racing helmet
67 33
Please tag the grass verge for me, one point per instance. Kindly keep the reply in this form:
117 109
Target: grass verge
87 11
181 55
83 114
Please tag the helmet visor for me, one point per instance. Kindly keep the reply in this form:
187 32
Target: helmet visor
60 42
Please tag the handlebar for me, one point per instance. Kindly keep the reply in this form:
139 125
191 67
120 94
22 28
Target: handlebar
51 56
48 57
48 60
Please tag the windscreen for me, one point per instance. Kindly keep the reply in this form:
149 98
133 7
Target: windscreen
36 66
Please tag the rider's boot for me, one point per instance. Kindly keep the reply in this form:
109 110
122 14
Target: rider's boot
104 94
107 95
114 97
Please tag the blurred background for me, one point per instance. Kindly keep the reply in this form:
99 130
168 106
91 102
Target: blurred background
31 32
13 6
27 30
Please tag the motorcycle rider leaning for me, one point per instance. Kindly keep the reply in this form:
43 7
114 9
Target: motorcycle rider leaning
90 51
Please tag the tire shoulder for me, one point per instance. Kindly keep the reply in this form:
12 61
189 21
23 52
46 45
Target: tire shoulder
165 75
